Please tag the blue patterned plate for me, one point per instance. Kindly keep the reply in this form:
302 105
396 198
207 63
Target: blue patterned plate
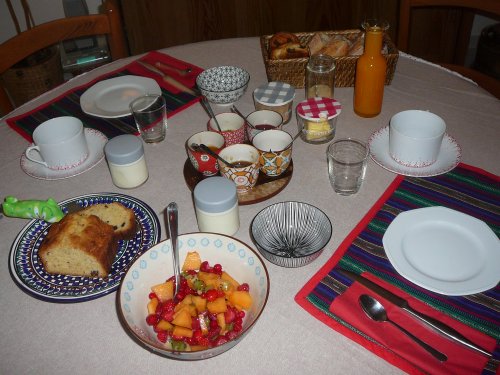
28 272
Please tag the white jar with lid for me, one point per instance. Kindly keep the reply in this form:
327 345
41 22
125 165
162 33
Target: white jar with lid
127 165
216 206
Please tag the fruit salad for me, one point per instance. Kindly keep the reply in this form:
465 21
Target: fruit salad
207 311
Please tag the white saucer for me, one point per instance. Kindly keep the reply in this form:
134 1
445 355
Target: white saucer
95 140
444 251
448 158
111 98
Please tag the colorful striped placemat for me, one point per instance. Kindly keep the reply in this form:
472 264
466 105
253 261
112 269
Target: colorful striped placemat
68 104
466 189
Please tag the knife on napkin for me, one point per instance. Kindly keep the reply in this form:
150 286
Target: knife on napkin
171 81
403 304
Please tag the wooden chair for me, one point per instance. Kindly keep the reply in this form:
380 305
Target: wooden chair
489 8
51 33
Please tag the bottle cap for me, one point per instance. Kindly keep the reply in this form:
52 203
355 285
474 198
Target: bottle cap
215 194
124 149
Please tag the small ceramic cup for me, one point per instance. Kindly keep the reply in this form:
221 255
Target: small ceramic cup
415 138
60 143
261 120
246 170
232 126
274 155
202 161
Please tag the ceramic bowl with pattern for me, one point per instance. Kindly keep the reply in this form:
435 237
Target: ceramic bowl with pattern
156 265
223 85
291 234
275 154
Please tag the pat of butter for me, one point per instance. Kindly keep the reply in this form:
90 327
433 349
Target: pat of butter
316 130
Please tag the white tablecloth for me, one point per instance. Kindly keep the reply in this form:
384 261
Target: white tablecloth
40 337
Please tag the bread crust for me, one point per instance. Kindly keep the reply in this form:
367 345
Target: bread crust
79 245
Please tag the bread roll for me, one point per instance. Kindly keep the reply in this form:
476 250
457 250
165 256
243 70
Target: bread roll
281 38
289 51
336 47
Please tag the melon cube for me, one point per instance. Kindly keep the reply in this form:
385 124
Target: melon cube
182 318
217 306
182 331
164 325
152 305
164 291
192 261
241 299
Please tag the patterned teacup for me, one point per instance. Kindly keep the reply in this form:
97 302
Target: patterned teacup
245 170
274 154
232 126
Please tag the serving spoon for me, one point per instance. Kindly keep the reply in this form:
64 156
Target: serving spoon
377 312
202 147
173 229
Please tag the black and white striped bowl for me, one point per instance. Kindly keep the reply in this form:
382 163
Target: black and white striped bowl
291 234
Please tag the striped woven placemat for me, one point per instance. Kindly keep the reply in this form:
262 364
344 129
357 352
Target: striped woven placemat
68 104
466 189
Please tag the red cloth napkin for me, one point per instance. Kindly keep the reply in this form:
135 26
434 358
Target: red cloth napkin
460 359
153 57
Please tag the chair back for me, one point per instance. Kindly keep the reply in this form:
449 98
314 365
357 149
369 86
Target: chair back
51 33
487 7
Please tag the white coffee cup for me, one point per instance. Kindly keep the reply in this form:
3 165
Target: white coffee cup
60 143
415 138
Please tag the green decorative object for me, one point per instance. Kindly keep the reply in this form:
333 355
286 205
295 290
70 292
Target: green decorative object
47 210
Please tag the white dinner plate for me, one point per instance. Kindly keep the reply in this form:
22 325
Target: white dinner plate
444 251
27 269
448 158
111 98
95 140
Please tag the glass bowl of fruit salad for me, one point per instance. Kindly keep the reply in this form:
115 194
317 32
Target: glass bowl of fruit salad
224 288
291 234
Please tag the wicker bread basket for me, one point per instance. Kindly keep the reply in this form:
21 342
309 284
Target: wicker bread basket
292 70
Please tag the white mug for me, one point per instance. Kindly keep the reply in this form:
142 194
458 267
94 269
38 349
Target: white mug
415 138
60 143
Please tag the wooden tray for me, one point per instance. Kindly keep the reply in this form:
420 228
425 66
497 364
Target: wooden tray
265 188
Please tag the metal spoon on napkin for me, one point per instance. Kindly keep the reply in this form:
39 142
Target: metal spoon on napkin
376 311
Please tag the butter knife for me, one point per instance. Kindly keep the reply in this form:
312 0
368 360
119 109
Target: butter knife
167 78
435 324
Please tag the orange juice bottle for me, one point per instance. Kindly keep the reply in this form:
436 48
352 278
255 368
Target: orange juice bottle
370 71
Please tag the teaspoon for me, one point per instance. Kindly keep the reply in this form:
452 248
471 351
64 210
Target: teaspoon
205 148
173 229
376 311
208 108
235 110
293 139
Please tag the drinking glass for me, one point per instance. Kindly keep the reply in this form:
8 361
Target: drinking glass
347 158
150 114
